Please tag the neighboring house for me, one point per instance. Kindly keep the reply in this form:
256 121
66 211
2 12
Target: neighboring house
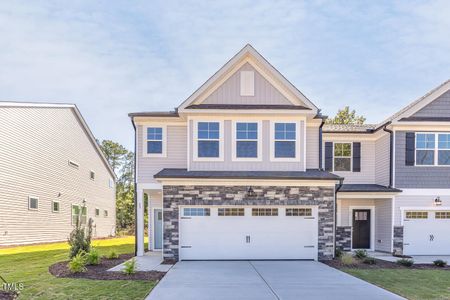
50 166
246 169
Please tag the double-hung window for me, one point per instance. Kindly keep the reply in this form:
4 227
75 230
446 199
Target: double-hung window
79 213
285 140
342 157
155 143
246 140
208 140
433 149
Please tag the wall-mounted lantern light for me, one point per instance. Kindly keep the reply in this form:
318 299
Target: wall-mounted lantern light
437 201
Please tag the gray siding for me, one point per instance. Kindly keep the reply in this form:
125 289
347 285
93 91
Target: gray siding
417 177
382 163
312 147
438 108
229 91
35 147
264 165
176 154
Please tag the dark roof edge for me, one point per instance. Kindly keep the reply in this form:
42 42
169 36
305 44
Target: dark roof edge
172 114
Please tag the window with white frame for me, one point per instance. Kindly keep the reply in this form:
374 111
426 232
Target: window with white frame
342 157
33 203
285 139
196 212
105 213
266 212
55 206
416 215
97 212
442 215
433 149
208 139
92 175
79 213
154 141
298 212
230 212
246 140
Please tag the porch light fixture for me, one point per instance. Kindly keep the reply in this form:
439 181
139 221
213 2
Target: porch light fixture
437 201
251 193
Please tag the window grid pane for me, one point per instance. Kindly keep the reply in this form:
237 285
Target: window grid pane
285 131
442 215
298 212
264 212
226 212
417 215
196 212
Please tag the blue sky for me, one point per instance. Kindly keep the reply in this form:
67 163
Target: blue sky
115 57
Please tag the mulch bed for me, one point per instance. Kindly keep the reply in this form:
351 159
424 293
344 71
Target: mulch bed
4 295
381 264
99 272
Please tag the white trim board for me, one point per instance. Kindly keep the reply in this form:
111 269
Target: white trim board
425 192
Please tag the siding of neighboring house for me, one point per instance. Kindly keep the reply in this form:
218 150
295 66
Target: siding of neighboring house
367 174
416 201
383 219
382 160
264 165
176 153
35 147
417 176
438 108
312 147
229 91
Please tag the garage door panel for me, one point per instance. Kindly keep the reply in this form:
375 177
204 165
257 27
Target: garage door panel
249 237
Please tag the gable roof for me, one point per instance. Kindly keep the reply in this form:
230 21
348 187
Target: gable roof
250 55
77 112
418 104
349 128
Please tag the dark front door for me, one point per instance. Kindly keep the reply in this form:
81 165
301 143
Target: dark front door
361 229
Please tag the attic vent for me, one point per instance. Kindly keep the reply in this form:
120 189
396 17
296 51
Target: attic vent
73 164
247 83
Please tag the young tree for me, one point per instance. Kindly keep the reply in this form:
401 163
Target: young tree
114 153
345 116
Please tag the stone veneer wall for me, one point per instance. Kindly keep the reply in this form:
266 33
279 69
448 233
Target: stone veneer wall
173 196
344 238
398 240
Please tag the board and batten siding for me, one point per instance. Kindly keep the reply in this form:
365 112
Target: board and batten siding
229 91
382 160
176 153
312 147
367 174
438 108
264 165
35 147
417 176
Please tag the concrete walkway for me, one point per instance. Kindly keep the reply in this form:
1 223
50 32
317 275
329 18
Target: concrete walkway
151 261
418 259
201 280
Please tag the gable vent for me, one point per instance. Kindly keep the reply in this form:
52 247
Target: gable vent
247 83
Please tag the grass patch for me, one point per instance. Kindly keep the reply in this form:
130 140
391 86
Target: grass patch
29 264
409 283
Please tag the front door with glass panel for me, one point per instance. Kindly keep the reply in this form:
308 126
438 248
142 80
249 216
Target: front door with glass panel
361 229
157 228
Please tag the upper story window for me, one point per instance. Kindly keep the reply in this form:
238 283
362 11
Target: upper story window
155 142
92 175
33 203
111 183
285 143
208 144
433 149
246 141
79 213
342 157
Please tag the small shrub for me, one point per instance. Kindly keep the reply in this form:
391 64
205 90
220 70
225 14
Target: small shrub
440 263
93 257
129 267
112 255
406 262
369 260
80 237
347 259
360 254
78 263
338 253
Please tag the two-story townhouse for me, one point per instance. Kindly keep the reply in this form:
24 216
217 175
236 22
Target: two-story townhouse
246 169
52 172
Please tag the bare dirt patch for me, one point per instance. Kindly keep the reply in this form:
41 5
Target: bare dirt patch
4 295
100 271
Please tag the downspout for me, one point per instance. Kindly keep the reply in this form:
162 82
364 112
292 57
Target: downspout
338 187
320 144
135 188
391 153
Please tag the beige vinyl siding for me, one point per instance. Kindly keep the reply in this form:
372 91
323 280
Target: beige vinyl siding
312 147
264 165
176 153
367 174
382 156
417 201
36 145
229 91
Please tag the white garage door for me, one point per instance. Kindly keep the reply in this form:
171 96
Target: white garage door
426 233
211 232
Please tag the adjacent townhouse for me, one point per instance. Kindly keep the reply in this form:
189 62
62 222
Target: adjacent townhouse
245 168
51 172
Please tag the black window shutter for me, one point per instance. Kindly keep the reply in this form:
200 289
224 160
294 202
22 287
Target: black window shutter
356 157
410 148
328 156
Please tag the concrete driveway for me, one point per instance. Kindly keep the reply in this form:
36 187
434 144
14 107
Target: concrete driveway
262 280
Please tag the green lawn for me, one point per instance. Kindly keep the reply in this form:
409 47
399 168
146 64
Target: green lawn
29 264
411 284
